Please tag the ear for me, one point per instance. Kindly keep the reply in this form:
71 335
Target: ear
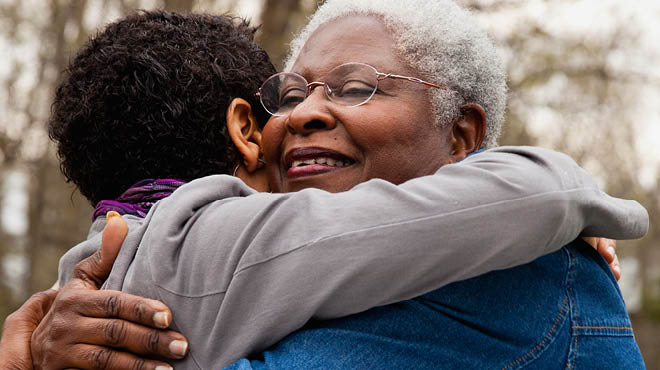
244 132
468 131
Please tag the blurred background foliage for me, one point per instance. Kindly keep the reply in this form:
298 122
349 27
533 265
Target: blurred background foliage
584 86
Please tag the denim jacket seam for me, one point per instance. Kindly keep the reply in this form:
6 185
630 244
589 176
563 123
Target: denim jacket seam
575 314
548 338
606 331
602 327
570 361
567 309
570 291
586 326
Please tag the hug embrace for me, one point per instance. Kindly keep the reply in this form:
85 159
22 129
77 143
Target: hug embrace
351 212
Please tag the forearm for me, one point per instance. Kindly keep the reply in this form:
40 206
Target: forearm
397 242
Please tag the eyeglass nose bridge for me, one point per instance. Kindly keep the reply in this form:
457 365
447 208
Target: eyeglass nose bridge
314 84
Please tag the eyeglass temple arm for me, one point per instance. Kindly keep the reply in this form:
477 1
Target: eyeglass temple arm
382 76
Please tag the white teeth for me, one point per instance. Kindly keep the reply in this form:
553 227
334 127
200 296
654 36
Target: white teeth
321 160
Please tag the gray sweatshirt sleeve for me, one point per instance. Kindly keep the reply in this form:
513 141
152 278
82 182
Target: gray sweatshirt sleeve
93 243
241 272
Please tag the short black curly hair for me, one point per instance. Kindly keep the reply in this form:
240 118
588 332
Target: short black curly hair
146 98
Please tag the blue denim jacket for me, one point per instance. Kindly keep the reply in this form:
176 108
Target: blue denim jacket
561 311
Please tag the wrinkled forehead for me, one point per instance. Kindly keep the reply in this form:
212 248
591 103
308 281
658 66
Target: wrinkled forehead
352 38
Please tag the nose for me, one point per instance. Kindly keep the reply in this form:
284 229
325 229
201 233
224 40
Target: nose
311 114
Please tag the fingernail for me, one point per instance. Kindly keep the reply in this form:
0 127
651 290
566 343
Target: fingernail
611 251
178 347
161 367
617 269
162 319
111 214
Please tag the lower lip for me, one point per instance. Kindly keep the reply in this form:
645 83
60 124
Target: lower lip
311 170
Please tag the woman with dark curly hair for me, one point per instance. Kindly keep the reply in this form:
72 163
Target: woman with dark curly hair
148 98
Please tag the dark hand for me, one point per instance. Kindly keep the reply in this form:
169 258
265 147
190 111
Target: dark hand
607 249
87 328
18 328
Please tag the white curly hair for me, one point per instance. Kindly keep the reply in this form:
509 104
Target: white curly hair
443 42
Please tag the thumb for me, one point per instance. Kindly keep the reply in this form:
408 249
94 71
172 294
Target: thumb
93 270
113 236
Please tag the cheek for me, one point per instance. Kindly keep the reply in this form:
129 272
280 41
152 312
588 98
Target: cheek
272 137
399 132
403 145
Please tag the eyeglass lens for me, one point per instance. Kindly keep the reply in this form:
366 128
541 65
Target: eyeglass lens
349 84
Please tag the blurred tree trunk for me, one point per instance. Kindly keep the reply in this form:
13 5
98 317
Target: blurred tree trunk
180 6
58 216
281 19
43 189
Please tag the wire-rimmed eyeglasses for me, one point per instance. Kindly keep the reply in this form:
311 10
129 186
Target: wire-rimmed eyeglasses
350 84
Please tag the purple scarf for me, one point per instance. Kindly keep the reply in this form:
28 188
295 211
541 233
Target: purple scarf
139 198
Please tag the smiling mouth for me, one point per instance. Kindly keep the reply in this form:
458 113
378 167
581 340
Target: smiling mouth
310 161
323 160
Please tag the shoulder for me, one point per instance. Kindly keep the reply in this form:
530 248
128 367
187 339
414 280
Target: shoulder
523 154
534 166
188 199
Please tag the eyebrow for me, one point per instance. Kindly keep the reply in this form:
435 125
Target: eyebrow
306 72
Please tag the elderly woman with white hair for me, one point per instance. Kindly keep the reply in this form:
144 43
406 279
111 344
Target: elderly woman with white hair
560 311
387 90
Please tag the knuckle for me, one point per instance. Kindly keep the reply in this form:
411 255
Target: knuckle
50 353
13 319
111 305
153 341
84 269
90 261
141 312
67 298
58 328
40 297
80 268
100 358
115 332
139 364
